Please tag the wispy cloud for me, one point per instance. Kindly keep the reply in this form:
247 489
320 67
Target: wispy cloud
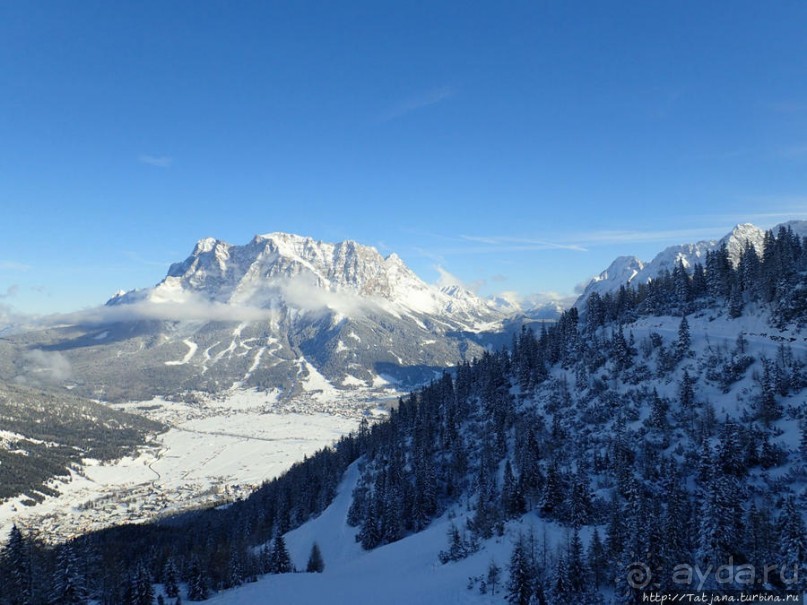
416 102
523 243
617 236
582 241
158 161
44 367
10 265
11 291
299 292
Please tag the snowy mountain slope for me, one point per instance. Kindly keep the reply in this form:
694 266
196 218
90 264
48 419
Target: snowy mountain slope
620 272
281 312
396 574
625 270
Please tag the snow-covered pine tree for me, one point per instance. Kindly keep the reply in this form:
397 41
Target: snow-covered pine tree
69 586
793 547
171 579
280 559
198 588
522 571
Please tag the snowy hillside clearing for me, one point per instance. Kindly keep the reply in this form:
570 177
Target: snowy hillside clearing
401 573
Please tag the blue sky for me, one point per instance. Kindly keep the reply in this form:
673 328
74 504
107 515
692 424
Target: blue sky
517 145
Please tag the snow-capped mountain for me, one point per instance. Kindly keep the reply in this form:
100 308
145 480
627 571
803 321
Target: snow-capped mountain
282 312
281 267
620 272
629 269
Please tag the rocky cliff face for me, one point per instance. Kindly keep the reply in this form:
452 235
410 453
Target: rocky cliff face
283 313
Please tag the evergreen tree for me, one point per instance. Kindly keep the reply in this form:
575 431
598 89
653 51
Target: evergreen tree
597 559
760 539
139 590
493 576
684 339
769 409
198 589
553 492
69 586
16 568
280 559
561 589
576 566
235 576
793 546
512 498
457 548
315 562
171 579
519 584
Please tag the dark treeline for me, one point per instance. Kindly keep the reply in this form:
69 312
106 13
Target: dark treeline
610 436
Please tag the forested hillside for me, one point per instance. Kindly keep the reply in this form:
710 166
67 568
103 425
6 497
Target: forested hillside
45 433
662 426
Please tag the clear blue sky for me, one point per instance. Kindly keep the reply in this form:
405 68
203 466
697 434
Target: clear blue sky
518 145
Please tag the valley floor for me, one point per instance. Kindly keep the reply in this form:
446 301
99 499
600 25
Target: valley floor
214 452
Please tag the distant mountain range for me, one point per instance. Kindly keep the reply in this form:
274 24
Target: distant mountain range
283 312
297 317
629 269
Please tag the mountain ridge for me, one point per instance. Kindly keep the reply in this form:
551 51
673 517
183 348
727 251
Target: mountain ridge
629 269
283 312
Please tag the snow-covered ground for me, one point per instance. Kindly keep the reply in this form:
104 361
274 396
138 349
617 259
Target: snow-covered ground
401 573
214 451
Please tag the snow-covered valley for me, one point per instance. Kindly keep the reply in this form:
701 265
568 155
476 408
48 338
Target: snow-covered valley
216 450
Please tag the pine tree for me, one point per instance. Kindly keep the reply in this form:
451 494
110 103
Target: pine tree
597 559
280 559
141 590
735 302
198 589
69 586
315 562
553 492
236 569
16 565
493 577
171 579
519 584
561 589
581 507
769 409
576 566
686 398
793 546
760 539
684 339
